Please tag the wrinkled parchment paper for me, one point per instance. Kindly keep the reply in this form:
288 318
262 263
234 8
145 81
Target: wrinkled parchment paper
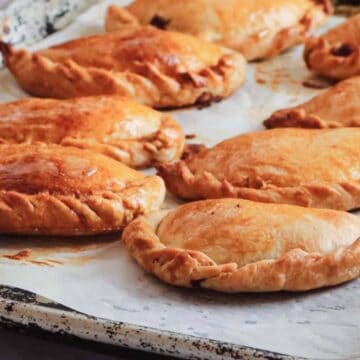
96 276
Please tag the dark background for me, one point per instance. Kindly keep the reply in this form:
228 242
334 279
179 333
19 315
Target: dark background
17 344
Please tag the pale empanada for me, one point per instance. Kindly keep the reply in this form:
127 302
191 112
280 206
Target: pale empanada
234 245
337 107
314 168
256 28
154 67
115 126
64 191
336 54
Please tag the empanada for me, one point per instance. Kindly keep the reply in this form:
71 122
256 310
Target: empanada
236 245
154 67
314 168
336 54
258 29
337 107
115 126
64 191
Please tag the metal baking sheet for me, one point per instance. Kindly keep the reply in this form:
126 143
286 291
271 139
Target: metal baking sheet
22 308
98 278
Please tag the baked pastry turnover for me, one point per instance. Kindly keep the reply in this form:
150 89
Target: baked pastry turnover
314 168
154 67
234 245
336 54
115 126
64 191
258 29
338 106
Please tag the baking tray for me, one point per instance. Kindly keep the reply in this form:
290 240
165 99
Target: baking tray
20 308
169 333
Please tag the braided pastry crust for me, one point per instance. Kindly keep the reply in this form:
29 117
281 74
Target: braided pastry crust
112 125
337 107
336 54
312 168
60 191
258 29
154 67
233 245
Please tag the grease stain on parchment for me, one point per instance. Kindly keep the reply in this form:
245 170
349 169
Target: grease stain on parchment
51 252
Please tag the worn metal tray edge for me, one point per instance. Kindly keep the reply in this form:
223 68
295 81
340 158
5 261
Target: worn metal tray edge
26 309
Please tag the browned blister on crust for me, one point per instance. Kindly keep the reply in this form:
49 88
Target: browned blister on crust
336 54
154 67
312 168
258 29
64 191
337 107
234 245
134 134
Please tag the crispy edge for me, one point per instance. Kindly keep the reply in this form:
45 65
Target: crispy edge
322 59
297 117
182 182
43 77
296 270
290 36
165 145
92 214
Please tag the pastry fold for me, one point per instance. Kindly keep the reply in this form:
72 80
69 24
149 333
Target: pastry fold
234 245
258 29
134 134
336 54
64 191
336 107
312 168
154 67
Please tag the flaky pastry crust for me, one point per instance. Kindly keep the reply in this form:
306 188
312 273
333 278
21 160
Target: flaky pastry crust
336 54
258 29
337 107
312 168
154 67
112 125
64 191
234 245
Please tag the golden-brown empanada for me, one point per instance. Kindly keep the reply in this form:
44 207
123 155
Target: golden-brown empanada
314 168
337 107
154 67
64 191
258 29
336 54
234 245
112 125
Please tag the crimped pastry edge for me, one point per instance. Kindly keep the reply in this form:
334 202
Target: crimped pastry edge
182 182
297 118
293 35
300 116
296 270
319 59
92 214
302 119
271 45
165 145
155 89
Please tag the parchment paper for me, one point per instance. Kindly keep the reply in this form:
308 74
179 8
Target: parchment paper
97 277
